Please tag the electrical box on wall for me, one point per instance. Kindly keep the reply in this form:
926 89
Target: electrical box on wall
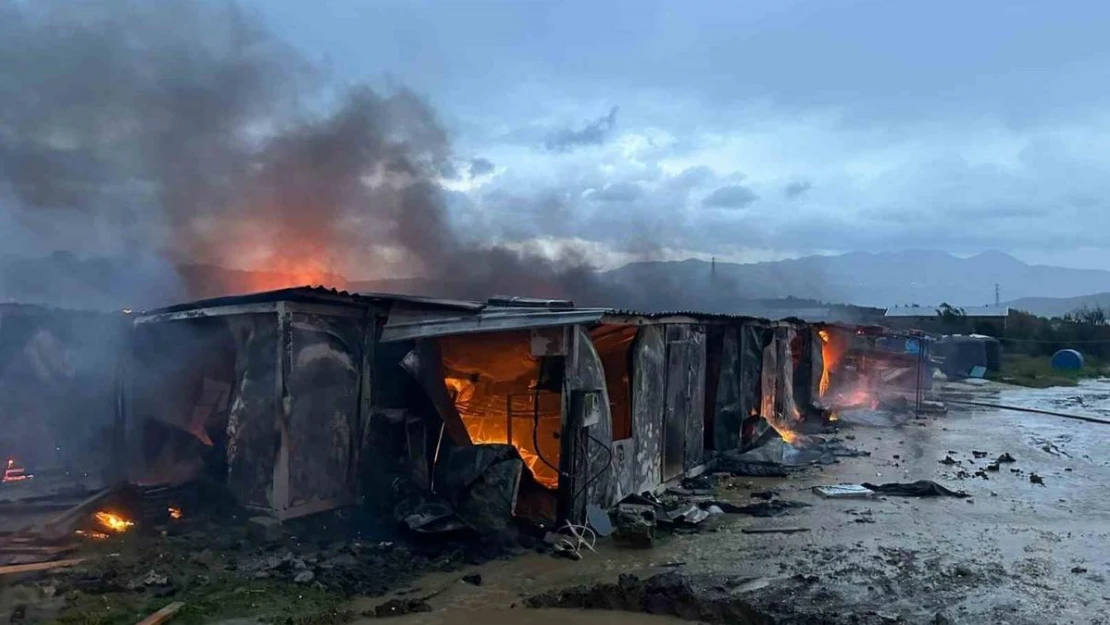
589 402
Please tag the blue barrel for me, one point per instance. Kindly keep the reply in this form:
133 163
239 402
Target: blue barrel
1068 360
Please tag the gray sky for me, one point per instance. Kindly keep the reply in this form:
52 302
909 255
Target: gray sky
752 130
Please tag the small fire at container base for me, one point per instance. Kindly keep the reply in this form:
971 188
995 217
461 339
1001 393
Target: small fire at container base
113 522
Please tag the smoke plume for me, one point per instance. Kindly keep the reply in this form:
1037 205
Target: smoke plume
143 144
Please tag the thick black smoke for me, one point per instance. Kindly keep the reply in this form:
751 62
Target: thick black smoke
162 139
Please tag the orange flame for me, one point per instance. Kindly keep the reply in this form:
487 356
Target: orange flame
175 513
830 357
91 534
462 391
113 522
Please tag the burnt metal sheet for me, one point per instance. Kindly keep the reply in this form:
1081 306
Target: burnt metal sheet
648 382
253 435
593 456
322 394
425 364
694 454
674 422
729 412
751 340
801 353
770 380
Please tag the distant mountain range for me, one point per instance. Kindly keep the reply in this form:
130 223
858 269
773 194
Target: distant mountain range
1060 306
882 279
879 280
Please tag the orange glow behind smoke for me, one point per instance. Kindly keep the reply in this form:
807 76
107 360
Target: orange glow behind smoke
288 274
14 472
175 513
113 522
91 534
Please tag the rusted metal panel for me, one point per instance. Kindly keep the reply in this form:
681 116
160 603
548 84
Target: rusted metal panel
648 382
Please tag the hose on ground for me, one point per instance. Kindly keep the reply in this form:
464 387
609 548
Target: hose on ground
964 402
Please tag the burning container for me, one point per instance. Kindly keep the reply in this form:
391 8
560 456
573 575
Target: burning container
307 399
270 392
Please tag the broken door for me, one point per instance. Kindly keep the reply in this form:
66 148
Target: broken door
648 381
685 400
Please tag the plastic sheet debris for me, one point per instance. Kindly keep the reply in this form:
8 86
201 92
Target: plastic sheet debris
774 508
844 491
599 520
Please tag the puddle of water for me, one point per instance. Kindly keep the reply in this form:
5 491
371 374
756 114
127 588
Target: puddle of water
525 616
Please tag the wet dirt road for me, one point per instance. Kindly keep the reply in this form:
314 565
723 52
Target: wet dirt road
1014 552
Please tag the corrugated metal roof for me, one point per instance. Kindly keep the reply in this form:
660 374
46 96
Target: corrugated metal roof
413 317
319 295
926 311
623 312
406 322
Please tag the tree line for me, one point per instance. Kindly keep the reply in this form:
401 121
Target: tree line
1086 329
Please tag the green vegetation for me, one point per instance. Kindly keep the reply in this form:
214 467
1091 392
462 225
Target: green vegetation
1029 341
221 598
1037 372
109 589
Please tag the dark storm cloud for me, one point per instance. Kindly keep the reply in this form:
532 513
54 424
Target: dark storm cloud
732 196
594 133
182 130
480 167
796 189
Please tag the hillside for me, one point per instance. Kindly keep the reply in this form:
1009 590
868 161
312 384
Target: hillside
881 279
1060 306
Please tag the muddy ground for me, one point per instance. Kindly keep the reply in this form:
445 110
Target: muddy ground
1015 551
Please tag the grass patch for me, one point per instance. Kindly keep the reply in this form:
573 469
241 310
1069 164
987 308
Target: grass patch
1037 372
219 599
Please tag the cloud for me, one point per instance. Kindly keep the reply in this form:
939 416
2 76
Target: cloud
732 196
480 167
618 192
692 177
796 189
594 133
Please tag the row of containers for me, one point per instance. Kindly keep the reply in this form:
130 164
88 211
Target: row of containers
307 399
